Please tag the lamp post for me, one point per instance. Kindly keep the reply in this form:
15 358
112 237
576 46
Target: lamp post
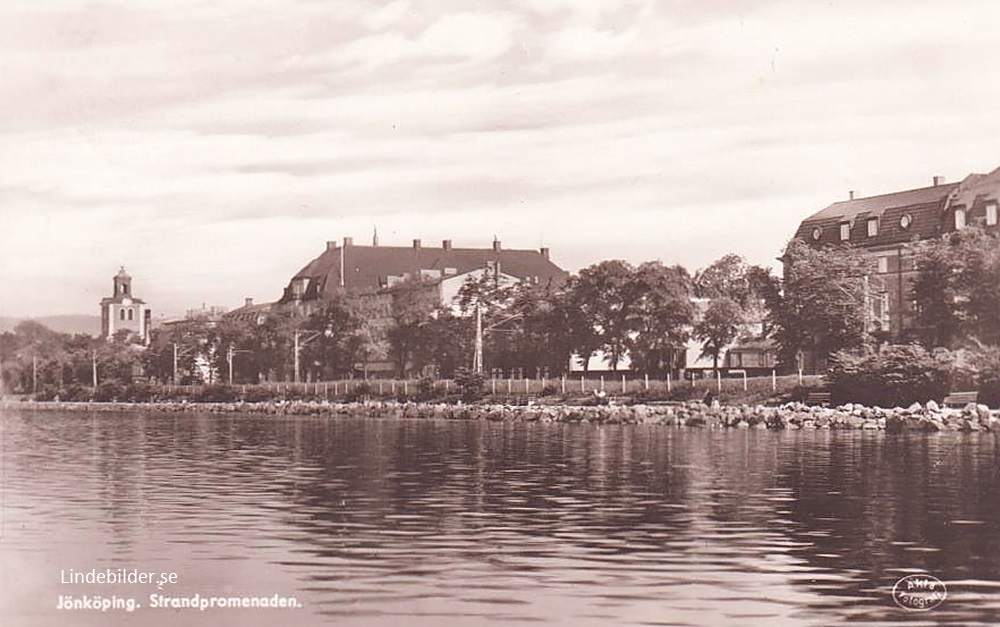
302 341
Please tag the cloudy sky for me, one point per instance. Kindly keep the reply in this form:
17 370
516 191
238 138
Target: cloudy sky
213 146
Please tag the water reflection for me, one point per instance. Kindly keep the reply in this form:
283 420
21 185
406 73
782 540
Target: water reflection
434 522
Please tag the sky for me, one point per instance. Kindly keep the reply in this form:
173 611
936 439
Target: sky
212 147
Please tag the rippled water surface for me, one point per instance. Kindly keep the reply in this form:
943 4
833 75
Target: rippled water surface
385 522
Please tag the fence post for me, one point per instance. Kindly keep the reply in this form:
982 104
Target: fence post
526 385
623 384
394 387
668 382
718 380
446 386
582 388
602 382
510 383
493 382
645 380
774 380
563 385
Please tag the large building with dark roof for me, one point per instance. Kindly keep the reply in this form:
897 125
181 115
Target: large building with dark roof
360 269
885 225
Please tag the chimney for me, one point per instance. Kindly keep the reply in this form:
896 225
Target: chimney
850 194
248 302
348 241
446 244
331 244
545 252
416 244
938 180
496 245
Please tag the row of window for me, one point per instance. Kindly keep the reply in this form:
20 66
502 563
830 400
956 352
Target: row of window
872 225
991 216
121 314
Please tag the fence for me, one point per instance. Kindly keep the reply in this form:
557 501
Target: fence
618 385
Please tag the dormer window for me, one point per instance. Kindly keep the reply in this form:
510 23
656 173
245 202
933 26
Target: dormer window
817 233
991 214
959 219
872 227
905 220
845 231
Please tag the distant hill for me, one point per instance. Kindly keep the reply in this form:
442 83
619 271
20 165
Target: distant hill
91 325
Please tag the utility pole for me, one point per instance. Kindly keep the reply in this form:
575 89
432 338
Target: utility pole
229 361
296 352
477 357
34 374
93 367
175 363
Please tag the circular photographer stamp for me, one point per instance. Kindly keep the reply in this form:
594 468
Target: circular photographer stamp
919 593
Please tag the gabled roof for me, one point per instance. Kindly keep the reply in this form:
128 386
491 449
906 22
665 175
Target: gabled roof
369 267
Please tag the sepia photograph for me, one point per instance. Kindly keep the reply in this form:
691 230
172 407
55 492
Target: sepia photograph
448 313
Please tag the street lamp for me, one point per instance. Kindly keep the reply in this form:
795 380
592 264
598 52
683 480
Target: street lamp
302 341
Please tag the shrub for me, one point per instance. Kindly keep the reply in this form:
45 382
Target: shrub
109 391
258 394
216 393
987 364
360 392
470 384
139 392
76 392
549 390
426 389
895 375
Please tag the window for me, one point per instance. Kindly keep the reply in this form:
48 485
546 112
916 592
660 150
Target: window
872 227
130 315
817 233
845 231
959 219
883 265
121 314
905 221
991 215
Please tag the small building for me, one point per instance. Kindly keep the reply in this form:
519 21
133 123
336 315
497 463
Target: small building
123 311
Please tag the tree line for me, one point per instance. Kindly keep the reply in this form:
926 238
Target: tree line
647 313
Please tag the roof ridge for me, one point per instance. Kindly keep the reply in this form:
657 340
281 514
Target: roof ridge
904 191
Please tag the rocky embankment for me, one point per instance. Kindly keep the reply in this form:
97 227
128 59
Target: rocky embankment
929 417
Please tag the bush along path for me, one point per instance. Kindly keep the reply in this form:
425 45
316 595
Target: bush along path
791 416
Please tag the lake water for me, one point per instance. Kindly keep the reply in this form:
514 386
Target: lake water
420 522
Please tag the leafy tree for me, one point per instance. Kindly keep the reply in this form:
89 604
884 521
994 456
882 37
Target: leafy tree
822 307
334 344
719 327
957 288
660 315
603 293
412 307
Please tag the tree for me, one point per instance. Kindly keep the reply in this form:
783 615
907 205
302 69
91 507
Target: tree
719 327
660 315
603 293
334 344
822 308
957 289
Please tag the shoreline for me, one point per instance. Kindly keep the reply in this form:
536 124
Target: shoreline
789 416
